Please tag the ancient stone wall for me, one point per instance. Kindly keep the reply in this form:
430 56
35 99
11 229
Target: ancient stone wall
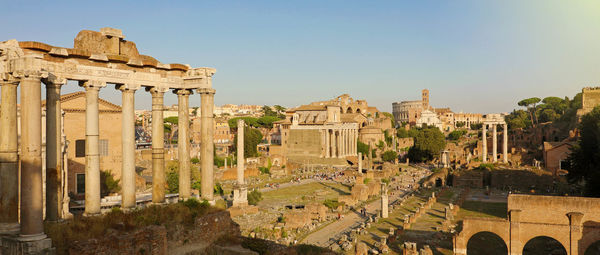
158 240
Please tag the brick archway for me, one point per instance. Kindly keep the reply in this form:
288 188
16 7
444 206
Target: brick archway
541 237
473 226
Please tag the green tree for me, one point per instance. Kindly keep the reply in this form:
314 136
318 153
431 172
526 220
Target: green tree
530 104
389 156
362 148
249 121
456 134
585 155
517 119
268 111
402 133
170 124
429 141
254 197
280 111
252 137
380 145
267 121
460 124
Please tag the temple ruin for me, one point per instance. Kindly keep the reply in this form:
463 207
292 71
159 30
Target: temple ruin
97 59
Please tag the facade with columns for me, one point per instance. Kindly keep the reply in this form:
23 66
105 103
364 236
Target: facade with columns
97 59
492 121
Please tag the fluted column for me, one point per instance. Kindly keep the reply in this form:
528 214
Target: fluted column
183 144
505 144
206 146
9 170
494 144
53 149
484 141
128 147
333 144
158 145
31 157
327 144
92 149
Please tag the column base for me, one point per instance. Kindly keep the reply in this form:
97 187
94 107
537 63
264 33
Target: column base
27 244
9 228
240 196
91 214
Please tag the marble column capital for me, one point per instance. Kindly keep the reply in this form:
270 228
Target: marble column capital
53 81
92 85
182 92
128 87
157 91
206 91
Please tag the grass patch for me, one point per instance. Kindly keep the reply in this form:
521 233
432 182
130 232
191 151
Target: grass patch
482 209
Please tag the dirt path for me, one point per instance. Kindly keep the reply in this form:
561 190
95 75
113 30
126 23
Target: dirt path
322 236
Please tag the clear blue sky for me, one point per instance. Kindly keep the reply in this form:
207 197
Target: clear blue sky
474 56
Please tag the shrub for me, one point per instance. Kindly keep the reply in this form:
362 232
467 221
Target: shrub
389 156
172 182
254 197
367 180
264 170
385 180
195 160
108 184
331 203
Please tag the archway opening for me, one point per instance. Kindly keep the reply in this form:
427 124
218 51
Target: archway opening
544 245
486 243
593 249
349 110
438 182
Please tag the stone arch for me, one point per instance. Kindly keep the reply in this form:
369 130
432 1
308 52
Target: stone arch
487 243
349 110
593 249
544 245
472 226
358 110
590 238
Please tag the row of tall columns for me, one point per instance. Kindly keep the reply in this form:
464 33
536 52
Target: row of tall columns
338 143
31 220
495 143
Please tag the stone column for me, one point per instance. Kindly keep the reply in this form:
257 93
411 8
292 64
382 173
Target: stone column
9 170
494 144
322 134
505 144
92 149
183 144
206 146
333 144
240 194
515 246
484 140
344 144
360 163
31 158
53 149
158 145
327 144
575 231
384 201
128 147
